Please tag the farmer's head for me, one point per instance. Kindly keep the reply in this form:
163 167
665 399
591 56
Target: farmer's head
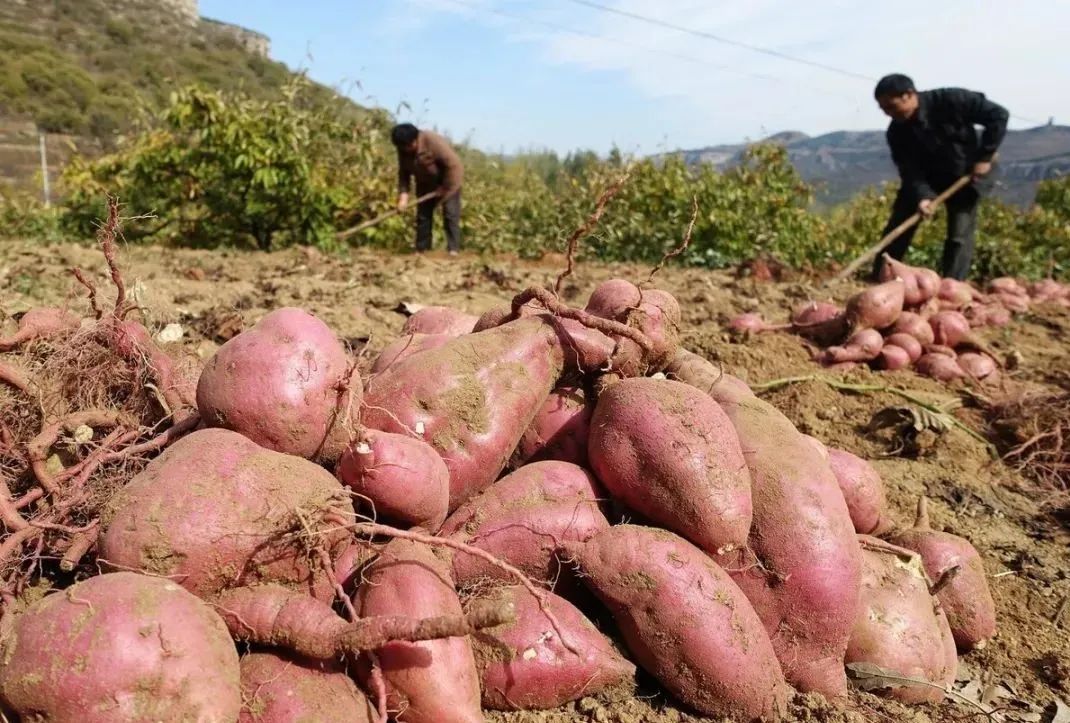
404 136
897 97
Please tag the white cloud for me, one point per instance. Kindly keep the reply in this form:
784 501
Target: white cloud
1012 52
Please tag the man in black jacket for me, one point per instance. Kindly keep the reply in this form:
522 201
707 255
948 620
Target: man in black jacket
934 141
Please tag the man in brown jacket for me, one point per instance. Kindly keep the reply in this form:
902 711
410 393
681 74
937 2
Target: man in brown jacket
437 168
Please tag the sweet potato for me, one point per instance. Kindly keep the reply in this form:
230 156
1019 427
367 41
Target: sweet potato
559 430
801 571
966 598
439 320
939 366
817 444
433 681
864 345
667 451
40 324
282 688
751 323
216 510
915 326
820 321
120 647
286 384
401 479
274 616
405 346
521 517
473 398
690 368
653 311
876 307
957 294
893 357
523 665
907 343
684 621
862 490
901 628
977 366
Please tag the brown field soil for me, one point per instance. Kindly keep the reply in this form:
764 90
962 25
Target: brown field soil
1019 526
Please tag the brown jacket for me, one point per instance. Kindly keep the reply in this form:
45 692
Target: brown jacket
435 165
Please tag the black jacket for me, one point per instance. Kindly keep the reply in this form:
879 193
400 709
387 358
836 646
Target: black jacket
940 143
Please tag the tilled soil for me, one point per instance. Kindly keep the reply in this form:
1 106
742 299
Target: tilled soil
1019 526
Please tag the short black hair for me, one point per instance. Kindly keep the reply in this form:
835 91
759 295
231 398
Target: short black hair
404 134
893 85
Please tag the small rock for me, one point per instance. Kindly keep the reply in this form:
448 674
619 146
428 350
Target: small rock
170 333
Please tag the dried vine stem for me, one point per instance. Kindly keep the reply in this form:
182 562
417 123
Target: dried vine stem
587 226
607 326
682 247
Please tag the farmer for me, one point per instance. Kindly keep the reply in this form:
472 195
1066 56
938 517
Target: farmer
933 143
438 169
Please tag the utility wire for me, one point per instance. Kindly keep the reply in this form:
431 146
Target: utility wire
717 38
755 48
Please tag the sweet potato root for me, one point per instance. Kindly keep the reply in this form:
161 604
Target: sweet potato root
280 688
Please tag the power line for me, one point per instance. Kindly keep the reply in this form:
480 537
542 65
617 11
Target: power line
720 39
755 48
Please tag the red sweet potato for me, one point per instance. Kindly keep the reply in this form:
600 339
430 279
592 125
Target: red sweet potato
523 665
907 343
684 621
433 681
876 307
914 325
957 294
405 346
400 478
120 648
893 357
820 321
282 688
653 311
285 384
439 320
40 324
473 398
862 490
559 430
521 518
977 366
939 366
966 598
690 368
864 345
667 451
806 587
901 628
216 510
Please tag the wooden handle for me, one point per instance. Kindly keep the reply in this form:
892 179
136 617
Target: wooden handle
872 251
389 214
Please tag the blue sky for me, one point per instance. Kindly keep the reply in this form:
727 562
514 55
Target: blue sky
523 74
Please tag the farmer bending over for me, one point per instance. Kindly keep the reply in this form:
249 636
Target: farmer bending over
438 169
933 143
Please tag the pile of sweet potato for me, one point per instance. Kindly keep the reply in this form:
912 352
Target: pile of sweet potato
913 318
511 511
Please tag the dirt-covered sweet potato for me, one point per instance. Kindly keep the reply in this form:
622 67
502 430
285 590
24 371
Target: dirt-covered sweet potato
907 343
521 517
283 688
473 398
40 324
216 510
690 368
801 568
914 325
400 479
524 665
864 345
667 451
559 430
434 681
653 311
966 598
439 320
120 648
901 629
286 384
405 346
863 491
876 307
684 621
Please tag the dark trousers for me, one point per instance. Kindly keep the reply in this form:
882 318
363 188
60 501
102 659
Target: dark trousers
961 226
451 222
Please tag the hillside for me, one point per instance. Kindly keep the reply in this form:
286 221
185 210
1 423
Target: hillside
85 70
843 162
